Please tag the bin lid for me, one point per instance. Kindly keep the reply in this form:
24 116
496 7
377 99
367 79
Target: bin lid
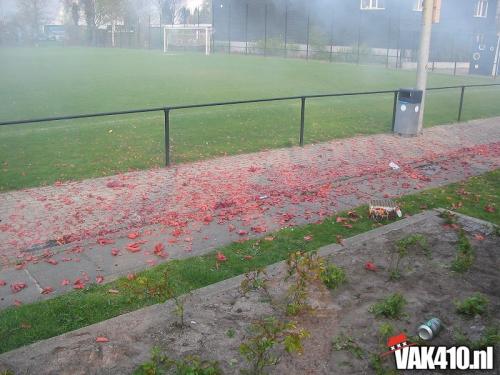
410 95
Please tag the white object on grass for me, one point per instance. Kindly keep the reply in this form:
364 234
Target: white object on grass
394 166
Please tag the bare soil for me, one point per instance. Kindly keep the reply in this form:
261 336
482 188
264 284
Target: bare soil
428 284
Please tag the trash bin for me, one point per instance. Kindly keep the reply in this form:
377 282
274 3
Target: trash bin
408 112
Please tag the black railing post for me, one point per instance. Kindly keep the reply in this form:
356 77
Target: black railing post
167 136
462 92
302 117
394 107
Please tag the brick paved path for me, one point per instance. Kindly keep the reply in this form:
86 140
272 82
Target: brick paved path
192 208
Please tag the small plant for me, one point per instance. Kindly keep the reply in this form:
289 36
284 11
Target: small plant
385 330
465 254
254 280
401 251
378 366
343 342
390 307
490 337
333 276
230 333
472 306
265 335
304 268
189 365
448 218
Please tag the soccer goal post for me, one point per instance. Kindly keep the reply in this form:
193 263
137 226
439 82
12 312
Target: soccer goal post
177 37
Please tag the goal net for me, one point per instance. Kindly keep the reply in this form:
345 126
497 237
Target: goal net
187 37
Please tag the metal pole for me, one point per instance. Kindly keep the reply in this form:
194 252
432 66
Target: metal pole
229 26
394 106
286 27
246 30
308 25
359 35
265 29
462 92
167 136
423 56
149 31
302 117
331 39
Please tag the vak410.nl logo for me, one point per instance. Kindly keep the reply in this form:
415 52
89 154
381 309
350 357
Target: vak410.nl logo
409 356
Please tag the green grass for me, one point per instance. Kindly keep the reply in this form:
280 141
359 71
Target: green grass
472 306
390 307
29 323
44 82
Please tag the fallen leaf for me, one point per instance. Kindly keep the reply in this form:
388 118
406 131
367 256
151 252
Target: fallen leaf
308 238
3 283
78 284
99 279
133 235
65 282
490 208
101 339
113 291
52 261
340 239
115 252
131 276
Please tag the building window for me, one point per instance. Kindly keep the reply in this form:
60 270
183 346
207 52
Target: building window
481 9
418 5
372 4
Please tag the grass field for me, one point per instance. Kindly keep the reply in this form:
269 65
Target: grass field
63 81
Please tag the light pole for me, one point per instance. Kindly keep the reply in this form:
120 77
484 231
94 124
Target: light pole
423 56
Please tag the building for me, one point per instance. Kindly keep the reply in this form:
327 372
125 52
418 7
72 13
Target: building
391 25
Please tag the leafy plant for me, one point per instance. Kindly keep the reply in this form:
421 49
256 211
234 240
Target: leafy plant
490 337
390 307
343 342
254 280
189 365
472 306
230 333
385 330
378 366
265 335
465 254
333 276
303 268
400 251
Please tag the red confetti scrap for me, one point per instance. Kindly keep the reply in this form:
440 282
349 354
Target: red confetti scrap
17 287
370 267
134 247
220 257
105 241
47 290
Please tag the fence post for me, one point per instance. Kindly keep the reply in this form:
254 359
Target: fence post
308 25
462 92
394 106
167 136
302 117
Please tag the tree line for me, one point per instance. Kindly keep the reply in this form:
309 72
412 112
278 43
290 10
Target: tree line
29 16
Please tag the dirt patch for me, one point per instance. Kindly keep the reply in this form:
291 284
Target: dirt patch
218 317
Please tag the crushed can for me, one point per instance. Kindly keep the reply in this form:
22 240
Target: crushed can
429 329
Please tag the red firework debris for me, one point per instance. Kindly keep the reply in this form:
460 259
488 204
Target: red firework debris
17 287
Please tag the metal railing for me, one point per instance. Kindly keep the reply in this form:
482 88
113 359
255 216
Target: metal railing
168 109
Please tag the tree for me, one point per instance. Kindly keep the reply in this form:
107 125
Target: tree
32 13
